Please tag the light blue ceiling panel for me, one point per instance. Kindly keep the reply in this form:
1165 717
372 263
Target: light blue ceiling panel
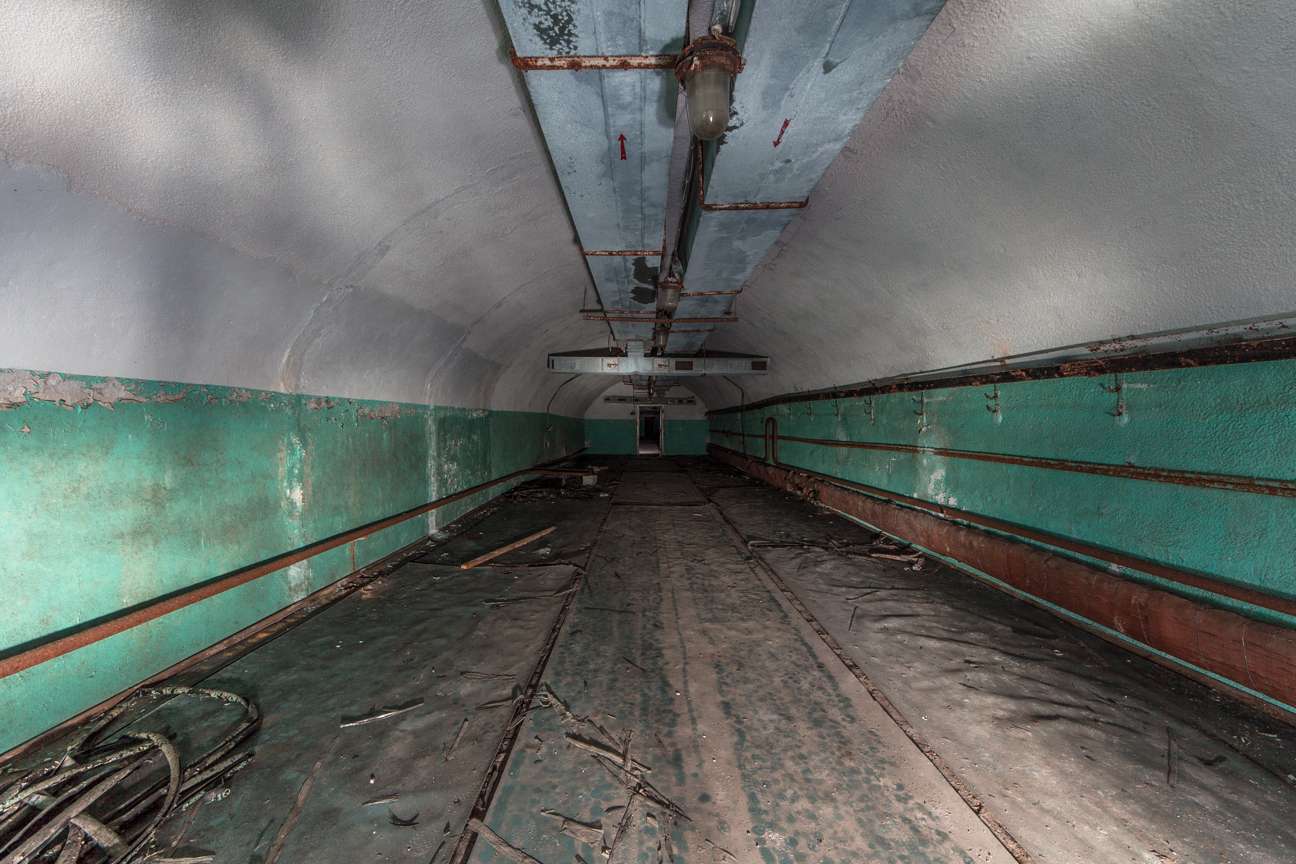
625 282
813 70
609 132
727 248
549 28
615 203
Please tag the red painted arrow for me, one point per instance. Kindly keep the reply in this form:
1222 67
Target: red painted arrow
781 131
622 140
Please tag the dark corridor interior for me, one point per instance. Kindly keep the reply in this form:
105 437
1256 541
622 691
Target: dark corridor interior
650 430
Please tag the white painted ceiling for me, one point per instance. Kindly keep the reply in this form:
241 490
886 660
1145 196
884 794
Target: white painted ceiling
352 199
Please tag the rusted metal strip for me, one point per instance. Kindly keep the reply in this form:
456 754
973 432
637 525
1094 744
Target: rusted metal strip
463 849
47 651
197 667
1233 483
1258 351
571 62
1193 580
754 205
645 253
1250 653
975 804
673 320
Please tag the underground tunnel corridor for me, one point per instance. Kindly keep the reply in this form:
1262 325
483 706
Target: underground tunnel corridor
693 665
656 432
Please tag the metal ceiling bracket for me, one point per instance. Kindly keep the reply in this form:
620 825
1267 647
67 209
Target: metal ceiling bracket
729 320
635 362
710 51
568 63
754 205
646 253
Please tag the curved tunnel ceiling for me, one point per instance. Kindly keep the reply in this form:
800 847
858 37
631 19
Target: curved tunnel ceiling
354 199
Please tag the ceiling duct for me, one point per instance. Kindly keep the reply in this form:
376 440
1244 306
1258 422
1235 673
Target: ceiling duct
600 76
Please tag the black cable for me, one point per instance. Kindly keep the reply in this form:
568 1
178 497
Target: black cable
554 396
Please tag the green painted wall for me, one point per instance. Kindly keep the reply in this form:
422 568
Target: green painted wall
116 492
686 437
1238 419
612 437
471 446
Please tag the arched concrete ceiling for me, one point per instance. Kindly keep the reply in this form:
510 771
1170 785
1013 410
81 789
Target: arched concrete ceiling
345 198
352 199
1041 174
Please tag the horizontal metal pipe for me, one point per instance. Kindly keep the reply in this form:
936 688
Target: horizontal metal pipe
708 293
1260 350
1130 562
645 253
624 61
58 647
755 205
1233 483
675 320
1251 653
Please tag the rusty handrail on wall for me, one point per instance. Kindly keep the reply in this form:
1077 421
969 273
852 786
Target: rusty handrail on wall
1257 351
1230 482
1130 562
156 609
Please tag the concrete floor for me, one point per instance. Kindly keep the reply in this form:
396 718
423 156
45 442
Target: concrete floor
758 743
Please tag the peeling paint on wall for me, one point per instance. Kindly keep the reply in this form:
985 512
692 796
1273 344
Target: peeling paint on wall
17 387
181 484
390 410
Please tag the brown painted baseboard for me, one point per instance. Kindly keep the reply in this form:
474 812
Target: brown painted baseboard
1250 653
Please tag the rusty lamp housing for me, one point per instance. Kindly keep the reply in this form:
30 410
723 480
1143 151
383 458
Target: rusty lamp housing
706 67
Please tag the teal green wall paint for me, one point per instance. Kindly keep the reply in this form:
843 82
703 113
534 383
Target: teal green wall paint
472 446
156 487
612 437
1237 419
685 437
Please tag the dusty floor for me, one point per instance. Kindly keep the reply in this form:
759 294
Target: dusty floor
682 670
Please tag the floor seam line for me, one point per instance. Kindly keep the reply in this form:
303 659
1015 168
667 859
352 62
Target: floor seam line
974 803
495 772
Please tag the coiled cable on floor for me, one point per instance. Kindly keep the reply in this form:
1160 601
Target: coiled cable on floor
45 814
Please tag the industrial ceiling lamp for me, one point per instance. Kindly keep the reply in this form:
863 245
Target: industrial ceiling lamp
706 67
669 290
659 339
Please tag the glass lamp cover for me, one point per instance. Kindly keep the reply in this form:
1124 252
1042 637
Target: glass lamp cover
707 91
670 298
659 340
